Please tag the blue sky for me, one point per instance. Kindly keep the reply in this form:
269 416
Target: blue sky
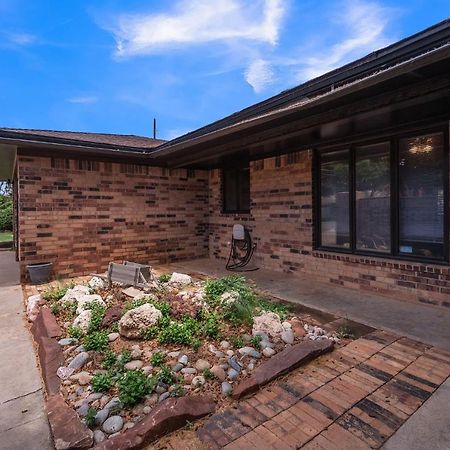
111 66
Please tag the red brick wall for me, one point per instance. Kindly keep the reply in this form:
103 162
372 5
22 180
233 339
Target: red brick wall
81 219
281 225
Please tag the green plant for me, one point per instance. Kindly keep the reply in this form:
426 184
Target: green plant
179 332
90 417
70 308
133 386
6 213
196 343
135 303
149 333
55 309
102 382
97 340
55 293
210 325
165 375
345 332
263 305
208 374
97 313
75 332
164 278
109 359
114 328
157 359
214 288
177 391
237 341
256 341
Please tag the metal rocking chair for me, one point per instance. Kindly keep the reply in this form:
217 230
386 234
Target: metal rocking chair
241 251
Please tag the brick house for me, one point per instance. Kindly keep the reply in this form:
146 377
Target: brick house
343 178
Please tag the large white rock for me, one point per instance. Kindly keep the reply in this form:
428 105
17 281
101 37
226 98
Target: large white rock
228 298
82 320
97 283
268 323
134 321
75 293
86 300
180 278
33 306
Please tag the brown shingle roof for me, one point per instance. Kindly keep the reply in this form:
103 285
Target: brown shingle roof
91 139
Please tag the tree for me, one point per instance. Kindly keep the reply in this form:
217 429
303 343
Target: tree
6 206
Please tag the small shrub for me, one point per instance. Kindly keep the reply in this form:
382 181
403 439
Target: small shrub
75 332
237 341
70 308
98 311
208 374
157 359
181 333
55 309
345 332
97 340
256 341
214 288
109 359
149 333
102 382
263 305
196 343
164 278
177 391
165 375
114 328
55 293
90 417
210 325
133 386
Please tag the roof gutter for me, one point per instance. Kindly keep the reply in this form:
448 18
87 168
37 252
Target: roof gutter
401 68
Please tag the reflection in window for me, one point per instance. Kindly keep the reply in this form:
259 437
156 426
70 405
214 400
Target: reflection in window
334 189
421 196
236 190
373 202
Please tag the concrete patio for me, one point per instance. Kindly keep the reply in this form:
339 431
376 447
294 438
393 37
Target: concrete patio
23 420
424 323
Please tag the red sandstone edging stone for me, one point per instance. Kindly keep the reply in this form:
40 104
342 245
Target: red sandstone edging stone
289 359
168 416
67 429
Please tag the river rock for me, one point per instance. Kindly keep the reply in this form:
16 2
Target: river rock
198 381
287 336
180 278
218 372
227 389
79 361
202 364
113 336
66 341
183 359
232 374
112 314
112 424
99 436
268 352
250 351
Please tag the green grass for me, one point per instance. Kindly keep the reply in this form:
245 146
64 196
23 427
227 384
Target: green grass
6 236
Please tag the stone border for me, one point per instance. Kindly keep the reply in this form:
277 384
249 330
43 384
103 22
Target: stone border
68 430
168 416
285 361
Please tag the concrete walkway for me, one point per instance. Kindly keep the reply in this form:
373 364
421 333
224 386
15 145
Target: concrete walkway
23 421
424 323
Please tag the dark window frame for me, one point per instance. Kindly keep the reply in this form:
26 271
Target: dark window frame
394 141
241 166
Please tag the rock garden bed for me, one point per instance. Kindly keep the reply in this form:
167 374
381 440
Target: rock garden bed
126 351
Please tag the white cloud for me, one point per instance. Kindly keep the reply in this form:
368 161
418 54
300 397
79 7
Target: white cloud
83 100
199 22
259 74
363 27
20 39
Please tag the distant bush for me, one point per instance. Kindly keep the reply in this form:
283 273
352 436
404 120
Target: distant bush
6 213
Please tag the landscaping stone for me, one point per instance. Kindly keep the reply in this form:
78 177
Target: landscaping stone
94 396
67 341
74 294
202 364
113 403
82 320
183 359
46 325
104 400
218 372
163 396
189 370
101 416
80 349
68 431
136 352
113 336
97 283
99 436
112 314
285 361
147 370
168 416
228 298
180 278
249 351
134 365
146 409
268 323
177 367
227 389
33 304
85 301
198 381
83 409
132 292
79 361
297 328
224 345
287 336
234 364
173 355
268 352
160 389
50 358
112 424
265 344
134 321
83 378
64 372
232 374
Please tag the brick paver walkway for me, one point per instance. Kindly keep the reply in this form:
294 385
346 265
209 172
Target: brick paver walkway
354 398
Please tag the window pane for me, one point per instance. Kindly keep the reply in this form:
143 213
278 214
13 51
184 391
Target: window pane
373 202
244 189
334 201
236 190
230 191
421 196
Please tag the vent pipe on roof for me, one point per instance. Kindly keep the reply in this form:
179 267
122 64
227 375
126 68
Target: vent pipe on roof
154 128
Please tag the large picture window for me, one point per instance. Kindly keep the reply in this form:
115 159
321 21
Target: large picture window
387 198
236 190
